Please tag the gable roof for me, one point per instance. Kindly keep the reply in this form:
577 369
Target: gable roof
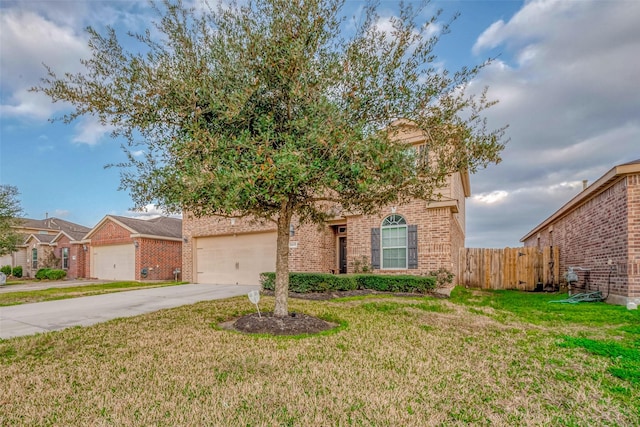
73 230
615 174
41 238
160 228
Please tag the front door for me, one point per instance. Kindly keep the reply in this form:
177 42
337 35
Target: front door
342 254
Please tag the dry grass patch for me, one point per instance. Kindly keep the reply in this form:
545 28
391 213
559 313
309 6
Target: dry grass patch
415 362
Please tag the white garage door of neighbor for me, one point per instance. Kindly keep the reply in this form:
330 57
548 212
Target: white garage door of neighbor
114 262
228 260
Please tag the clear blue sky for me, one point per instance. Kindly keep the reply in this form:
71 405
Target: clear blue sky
566 75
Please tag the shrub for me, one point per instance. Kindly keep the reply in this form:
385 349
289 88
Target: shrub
17 271
42 273
405 283
443 277
55 274
320 282
311 282
51 274
6 269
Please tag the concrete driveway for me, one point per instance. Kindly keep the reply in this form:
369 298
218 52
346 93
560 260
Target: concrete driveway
29 319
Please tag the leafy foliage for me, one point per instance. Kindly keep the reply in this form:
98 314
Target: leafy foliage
319 282
10 211
443 277
17 271
6 269
267 110
50 274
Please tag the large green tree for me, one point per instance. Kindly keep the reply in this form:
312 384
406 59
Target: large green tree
279 108
10 211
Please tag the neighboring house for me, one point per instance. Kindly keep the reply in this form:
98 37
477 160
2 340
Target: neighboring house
50 242
122 248
414 238
599 231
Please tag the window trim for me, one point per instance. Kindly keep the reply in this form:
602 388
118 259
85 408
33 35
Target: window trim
65 258
394 222
34 258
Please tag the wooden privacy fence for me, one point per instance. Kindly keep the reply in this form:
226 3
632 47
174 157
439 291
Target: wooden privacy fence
526 268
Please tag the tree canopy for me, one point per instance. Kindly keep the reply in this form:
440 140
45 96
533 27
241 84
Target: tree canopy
10 211
276 108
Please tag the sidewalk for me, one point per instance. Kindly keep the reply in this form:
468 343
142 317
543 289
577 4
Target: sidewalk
29 319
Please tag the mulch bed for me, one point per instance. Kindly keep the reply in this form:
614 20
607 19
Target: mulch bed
299 323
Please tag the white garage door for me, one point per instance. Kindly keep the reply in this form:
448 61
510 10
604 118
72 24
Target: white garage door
114 262
239 259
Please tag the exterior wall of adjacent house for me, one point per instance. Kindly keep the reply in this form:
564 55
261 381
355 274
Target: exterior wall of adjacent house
45 257
602 235
633 223
110 233
160 257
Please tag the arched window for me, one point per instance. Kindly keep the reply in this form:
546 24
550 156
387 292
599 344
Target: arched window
394 242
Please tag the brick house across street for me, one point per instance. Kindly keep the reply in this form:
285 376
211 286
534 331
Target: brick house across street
414 238
122 248
598 234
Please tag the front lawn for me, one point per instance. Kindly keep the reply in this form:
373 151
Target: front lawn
480 358
56 293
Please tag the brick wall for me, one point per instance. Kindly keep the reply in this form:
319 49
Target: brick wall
159 257
633 220
604 228
110 233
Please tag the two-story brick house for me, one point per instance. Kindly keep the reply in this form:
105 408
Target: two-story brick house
413 238
598 231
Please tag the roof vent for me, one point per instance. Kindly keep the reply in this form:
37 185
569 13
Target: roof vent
585 183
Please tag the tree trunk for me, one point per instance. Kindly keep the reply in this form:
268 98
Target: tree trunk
282 264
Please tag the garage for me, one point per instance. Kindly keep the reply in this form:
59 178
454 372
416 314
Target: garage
235 259
114 262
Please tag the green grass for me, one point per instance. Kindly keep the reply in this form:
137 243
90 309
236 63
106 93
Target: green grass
51 294
480 358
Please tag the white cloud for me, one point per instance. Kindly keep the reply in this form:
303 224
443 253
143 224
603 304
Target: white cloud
492 197
566 86
148 212
61 213
90 131
27 40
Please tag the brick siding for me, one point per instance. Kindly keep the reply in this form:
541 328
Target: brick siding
603 229
440 235
159 256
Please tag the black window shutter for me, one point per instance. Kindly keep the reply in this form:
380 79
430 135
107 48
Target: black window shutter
375 248
412 246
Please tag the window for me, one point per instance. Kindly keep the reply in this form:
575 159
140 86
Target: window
34 258
65 258
394 242
422 157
